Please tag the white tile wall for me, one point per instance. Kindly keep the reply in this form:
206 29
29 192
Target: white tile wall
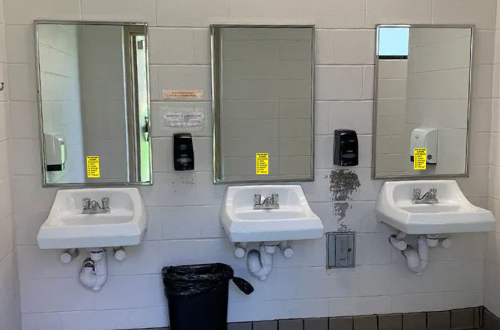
492 268
10 313
183 207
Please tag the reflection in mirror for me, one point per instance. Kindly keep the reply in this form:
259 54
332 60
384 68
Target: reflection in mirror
423 83
94 103
263 103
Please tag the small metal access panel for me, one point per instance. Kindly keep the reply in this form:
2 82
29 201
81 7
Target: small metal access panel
341 250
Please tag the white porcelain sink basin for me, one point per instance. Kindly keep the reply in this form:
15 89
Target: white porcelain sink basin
452 214
66 227
294 219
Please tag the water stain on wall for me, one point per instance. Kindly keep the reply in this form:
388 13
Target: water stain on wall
343 183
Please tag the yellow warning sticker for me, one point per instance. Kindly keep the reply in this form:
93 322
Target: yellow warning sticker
93 167
262 163
420 159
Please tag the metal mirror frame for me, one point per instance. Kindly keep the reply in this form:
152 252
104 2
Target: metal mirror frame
469 103
46 184
216 88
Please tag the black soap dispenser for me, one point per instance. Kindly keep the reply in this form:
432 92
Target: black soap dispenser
346 148
183 152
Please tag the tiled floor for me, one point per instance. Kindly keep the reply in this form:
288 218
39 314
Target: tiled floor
460 319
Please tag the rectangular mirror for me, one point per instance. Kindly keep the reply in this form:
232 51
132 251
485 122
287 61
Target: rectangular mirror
263 102
93 95
422 101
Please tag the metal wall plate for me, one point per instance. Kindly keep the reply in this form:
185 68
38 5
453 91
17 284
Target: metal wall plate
340 250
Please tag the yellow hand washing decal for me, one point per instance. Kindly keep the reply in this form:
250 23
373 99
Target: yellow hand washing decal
262 163
420 159
93 167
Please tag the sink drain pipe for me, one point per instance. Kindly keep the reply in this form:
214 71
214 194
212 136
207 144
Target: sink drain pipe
260 263
94 272
417 260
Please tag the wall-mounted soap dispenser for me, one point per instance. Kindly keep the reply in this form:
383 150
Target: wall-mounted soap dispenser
183 152
345 151
55 152
425 137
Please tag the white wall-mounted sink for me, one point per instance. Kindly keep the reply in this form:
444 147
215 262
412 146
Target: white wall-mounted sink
452 214
67 228
294 219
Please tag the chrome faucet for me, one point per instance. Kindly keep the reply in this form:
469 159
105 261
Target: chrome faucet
428 198
93 207
269 203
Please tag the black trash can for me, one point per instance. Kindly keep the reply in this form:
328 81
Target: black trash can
198 295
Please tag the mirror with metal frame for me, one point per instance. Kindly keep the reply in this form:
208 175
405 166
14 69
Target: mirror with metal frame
93 95
263 103
422 101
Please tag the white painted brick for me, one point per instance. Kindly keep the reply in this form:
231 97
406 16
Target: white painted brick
332 14
467 299
28 162
277 309
114 319
191 13
465 12
22 82
281 11
186 77
182 188
412 11
6 237
130 292
189 222
29 188
20 40
420 302
372 249
28 224
201 45
324 46
41 321
24 120
171 46
24 12
359 306
339 83
45 264
38 296
119 10
353 46
351 115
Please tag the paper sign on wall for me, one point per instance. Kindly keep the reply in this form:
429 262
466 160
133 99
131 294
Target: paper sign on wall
187 118
93 167
182 94
262 163
420 159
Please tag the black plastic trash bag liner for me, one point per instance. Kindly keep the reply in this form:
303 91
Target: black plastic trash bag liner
198 295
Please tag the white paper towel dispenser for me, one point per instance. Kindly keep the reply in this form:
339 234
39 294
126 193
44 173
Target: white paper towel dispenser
425 137
55 151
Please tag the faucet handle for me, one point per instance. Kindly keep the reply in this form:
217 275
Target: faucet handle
275 199
257 199
433 191
105 203
416 193
86 203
